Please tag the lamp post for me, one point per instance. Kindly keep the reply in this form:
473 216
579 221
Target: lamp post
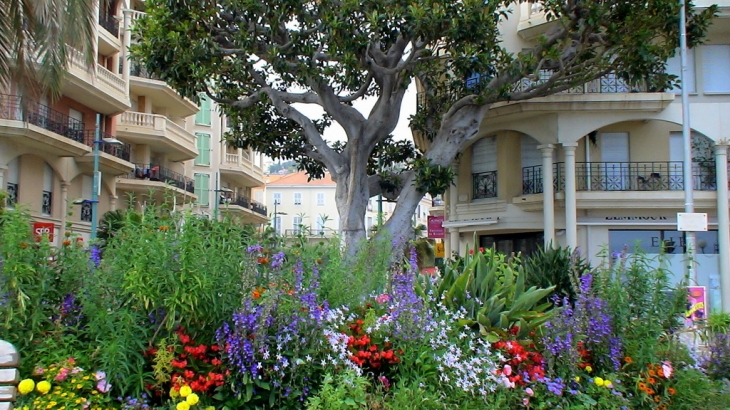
97 175
276 213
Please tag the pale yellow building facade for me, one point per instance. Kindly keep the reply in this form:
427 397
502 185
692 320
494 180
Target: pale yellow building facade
614 159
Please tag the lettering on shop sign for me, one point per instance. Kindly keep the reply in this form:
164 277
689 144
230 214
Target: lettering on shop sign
636 218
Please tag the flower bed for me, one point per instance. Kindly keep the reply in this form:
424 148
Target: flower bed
180 313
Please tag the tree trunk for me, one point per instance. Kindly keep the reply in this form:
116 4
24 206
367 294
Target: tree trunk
351 196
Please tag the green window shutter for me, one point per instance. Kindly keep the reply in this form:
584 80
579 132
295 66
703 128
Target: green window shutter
203 116
203 144
202 188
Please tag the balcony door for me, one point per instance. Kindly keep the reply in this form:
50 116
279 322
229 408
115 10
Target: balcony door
614 168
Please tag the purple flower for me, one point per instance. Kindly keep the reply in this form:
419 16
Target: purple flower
254 249
103 386
95 255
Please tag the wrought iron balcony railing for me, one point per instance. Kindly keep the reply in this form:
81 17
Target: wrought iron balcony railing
259 208
13 107
154 172
116 150
624 176
110 23
47 203
485 185
86 212
11 198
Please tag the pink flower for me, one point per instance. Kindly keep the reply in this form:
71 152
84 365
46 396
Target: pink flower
525 402
507 370
667 368
103 386
529 392
61 376
38 371
382 298
100 375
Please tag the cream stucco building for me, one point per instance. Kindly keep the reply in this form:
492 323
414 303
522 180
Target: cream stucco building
46 148
613 156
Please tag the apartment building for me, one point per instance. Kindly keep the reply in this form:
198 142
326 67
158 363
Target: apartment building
47 148
309 206
225 176
599 167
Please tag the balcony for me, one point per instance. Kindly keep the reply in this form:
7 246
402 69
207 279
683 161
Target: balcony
151 177
113 158
241 169
485 185
109 41
259 208
159 132
95 86
242 207
143 83
40 127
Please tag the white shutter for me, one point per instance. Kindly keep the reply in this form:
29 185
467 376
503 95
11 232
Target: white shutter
676 146
531 156
615 147
484 155
47 178
13 170
715 63
674 66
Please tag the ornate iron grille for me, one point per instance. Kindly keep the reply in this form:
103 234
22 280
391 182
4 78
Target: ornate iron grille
86 212
258 208
485 185
12 195
12 107
47 202
532 180
120 151
629 176
110 23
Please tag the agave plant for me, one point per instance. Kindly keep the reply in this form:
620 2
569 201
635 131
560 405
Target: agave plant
492 290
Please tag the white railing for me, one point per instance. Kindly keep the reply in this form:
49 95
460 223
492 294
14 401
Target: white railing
111 79
178 131
134 15
232 159
137 119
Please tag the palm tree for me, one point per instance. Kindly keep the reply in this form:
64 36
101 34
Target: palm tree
37 42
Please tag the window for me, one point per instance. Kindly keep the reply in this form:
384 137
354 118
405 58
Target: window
259 196
203 143
297 224
484 168
87 187
203 116
651 241
202 189
320 198
674 66
47 199
297 198
320 224
13 183
277 198
277 225
715 60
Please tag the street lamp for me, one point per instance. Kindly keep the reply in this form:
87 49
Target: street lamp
97 174
276 202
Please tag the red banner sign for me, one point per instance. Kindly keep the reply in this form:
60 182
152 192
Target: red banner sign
435 227
41 229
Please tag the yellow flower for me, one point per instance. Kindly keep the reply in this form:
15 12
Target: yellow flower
598 381
185 391
26 386
589 369
182 406
608 384
174 393
576 378
192 399
210 408
43 387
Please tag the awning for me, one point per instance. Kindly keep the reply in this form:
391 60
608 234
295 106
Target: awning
460 223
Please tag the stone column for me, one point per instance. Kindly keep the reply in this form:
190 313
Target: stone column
571 219
723 220
548 195
113 202
3 168
64 211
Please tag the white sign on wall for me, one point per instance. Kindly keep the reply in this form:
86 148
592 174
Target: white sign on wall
691 222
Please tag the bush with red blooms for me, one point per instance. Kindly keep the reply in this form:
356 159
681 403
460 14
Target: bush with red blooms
369 351
196 365
521 365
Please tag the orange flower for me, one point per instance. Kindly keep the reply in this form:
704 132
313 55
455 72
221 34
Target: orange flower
651 380
671 391
164 228
263 260
66 242
652 373
642 386
650 392
628 359
660 373
657 399
256 294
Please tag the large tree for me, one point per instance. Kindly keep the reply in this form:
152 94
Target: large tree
261 59
37 39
